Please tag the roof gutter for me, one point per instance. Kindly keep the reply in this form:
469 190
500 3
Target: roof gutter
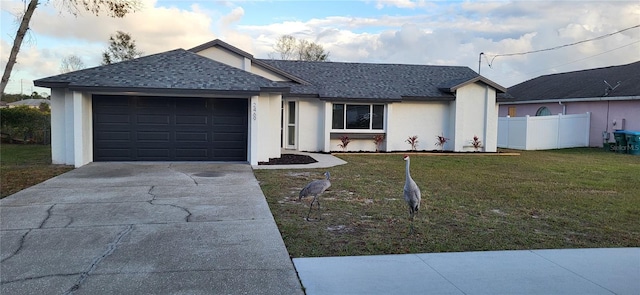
166 91
586 99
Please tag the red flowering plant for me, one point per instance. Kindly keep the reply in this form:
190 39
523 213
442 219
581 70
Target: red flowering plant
441 141
345 141
378 139
476 143
413 141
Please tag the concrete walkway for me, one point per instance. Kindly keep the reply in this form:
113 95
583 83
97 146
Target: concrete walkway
572 271
324 161
144 228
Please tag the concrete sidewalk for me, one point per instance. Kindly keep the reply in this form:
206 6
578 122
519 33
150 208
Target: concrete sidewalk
144 228
572 271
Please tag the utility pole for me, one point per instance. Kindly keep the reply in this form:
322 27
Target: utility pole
479 61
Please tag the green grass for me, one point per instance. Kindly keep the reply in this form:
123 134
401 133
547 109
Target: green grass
572 198
22 166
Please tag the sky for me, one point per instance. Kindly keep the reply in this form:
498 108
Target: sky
373 31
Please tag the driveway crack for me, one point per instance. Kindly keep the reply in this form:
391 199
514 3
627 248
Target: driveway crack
47 217
111 247
186 219
193 179
20 245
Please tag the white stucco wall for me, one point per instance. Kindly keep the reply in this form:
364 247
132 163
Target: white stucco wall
260 71
424 119
71 128
83 128
264 124
223 56
474 113
58 126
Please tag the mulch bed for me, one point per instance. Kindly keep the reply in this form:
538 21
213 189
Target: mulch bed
289 159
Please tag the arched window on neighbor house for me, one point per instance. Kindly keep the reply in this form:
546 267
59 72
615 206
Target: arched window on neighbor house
543 111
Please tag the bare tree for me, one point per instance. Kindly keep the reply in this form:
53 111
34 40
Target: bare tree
290 48
71 63
121 47
113 8
286 47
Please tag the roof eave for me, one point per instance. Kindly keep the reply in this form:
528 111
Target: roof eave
45 84
360 99
166 91
218 42
575 99
428 98
474 80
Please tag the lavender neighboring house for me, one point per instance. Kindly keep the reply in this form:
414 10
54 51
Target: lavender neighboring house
610 94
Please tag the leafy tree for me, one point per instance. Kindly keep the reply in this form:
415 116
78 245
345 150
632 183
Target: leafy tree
113 8
121 47
290 48
71 63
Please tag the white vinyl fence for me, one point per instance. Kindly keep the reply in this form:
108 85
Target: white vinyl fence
544 132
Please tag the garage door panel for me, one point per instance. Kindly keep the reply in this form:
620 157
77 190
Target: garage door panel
113 136
113 119
112 154
192 136
166 129
153 136
153 119
152 154
189 153
190 120
153 102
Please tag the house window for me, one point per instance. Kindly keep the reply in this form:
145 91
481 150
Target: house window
358 116
543 111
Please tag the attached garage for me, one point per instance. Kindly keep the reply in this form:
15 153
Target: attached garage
152 128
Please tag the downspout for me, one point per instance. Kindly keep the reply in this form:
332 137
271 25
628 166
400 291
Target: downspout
564 107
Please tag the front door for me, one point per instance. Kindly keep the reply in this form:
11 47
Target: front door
290 128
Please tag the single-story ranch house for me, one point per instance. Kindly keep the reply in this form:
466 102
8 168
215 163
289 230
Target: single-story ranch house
216 102
610 94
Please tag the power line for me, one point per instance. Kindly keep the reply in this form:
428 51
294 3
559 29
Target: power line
558 47
588 57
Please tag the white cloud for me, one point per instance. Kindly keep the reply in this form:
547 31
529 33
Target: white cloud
400 3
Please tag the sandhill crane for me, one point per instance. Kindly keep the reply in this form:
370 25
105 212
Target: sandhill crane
411 194
314 189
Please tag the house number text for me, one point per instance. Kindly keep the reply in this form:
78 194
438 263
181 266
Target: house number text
253 111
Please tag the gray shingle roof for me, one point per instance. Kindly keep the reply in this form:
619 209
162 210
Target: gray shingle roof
184 71
177 70
581 84
335 80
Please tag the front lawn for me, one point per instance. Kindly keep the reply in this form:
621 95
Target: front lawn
25 165
571 198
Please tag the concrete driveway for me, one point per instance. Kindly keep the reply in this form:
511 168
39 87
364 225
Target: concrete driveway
144 228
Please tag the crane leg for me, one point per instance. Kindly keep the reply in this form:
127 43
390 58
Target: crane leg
411 215
311 206
315 200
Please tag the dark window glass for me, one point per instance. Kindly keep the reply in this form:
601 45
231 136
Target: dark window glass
292 112
358 116
338 116
543 111
377 121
